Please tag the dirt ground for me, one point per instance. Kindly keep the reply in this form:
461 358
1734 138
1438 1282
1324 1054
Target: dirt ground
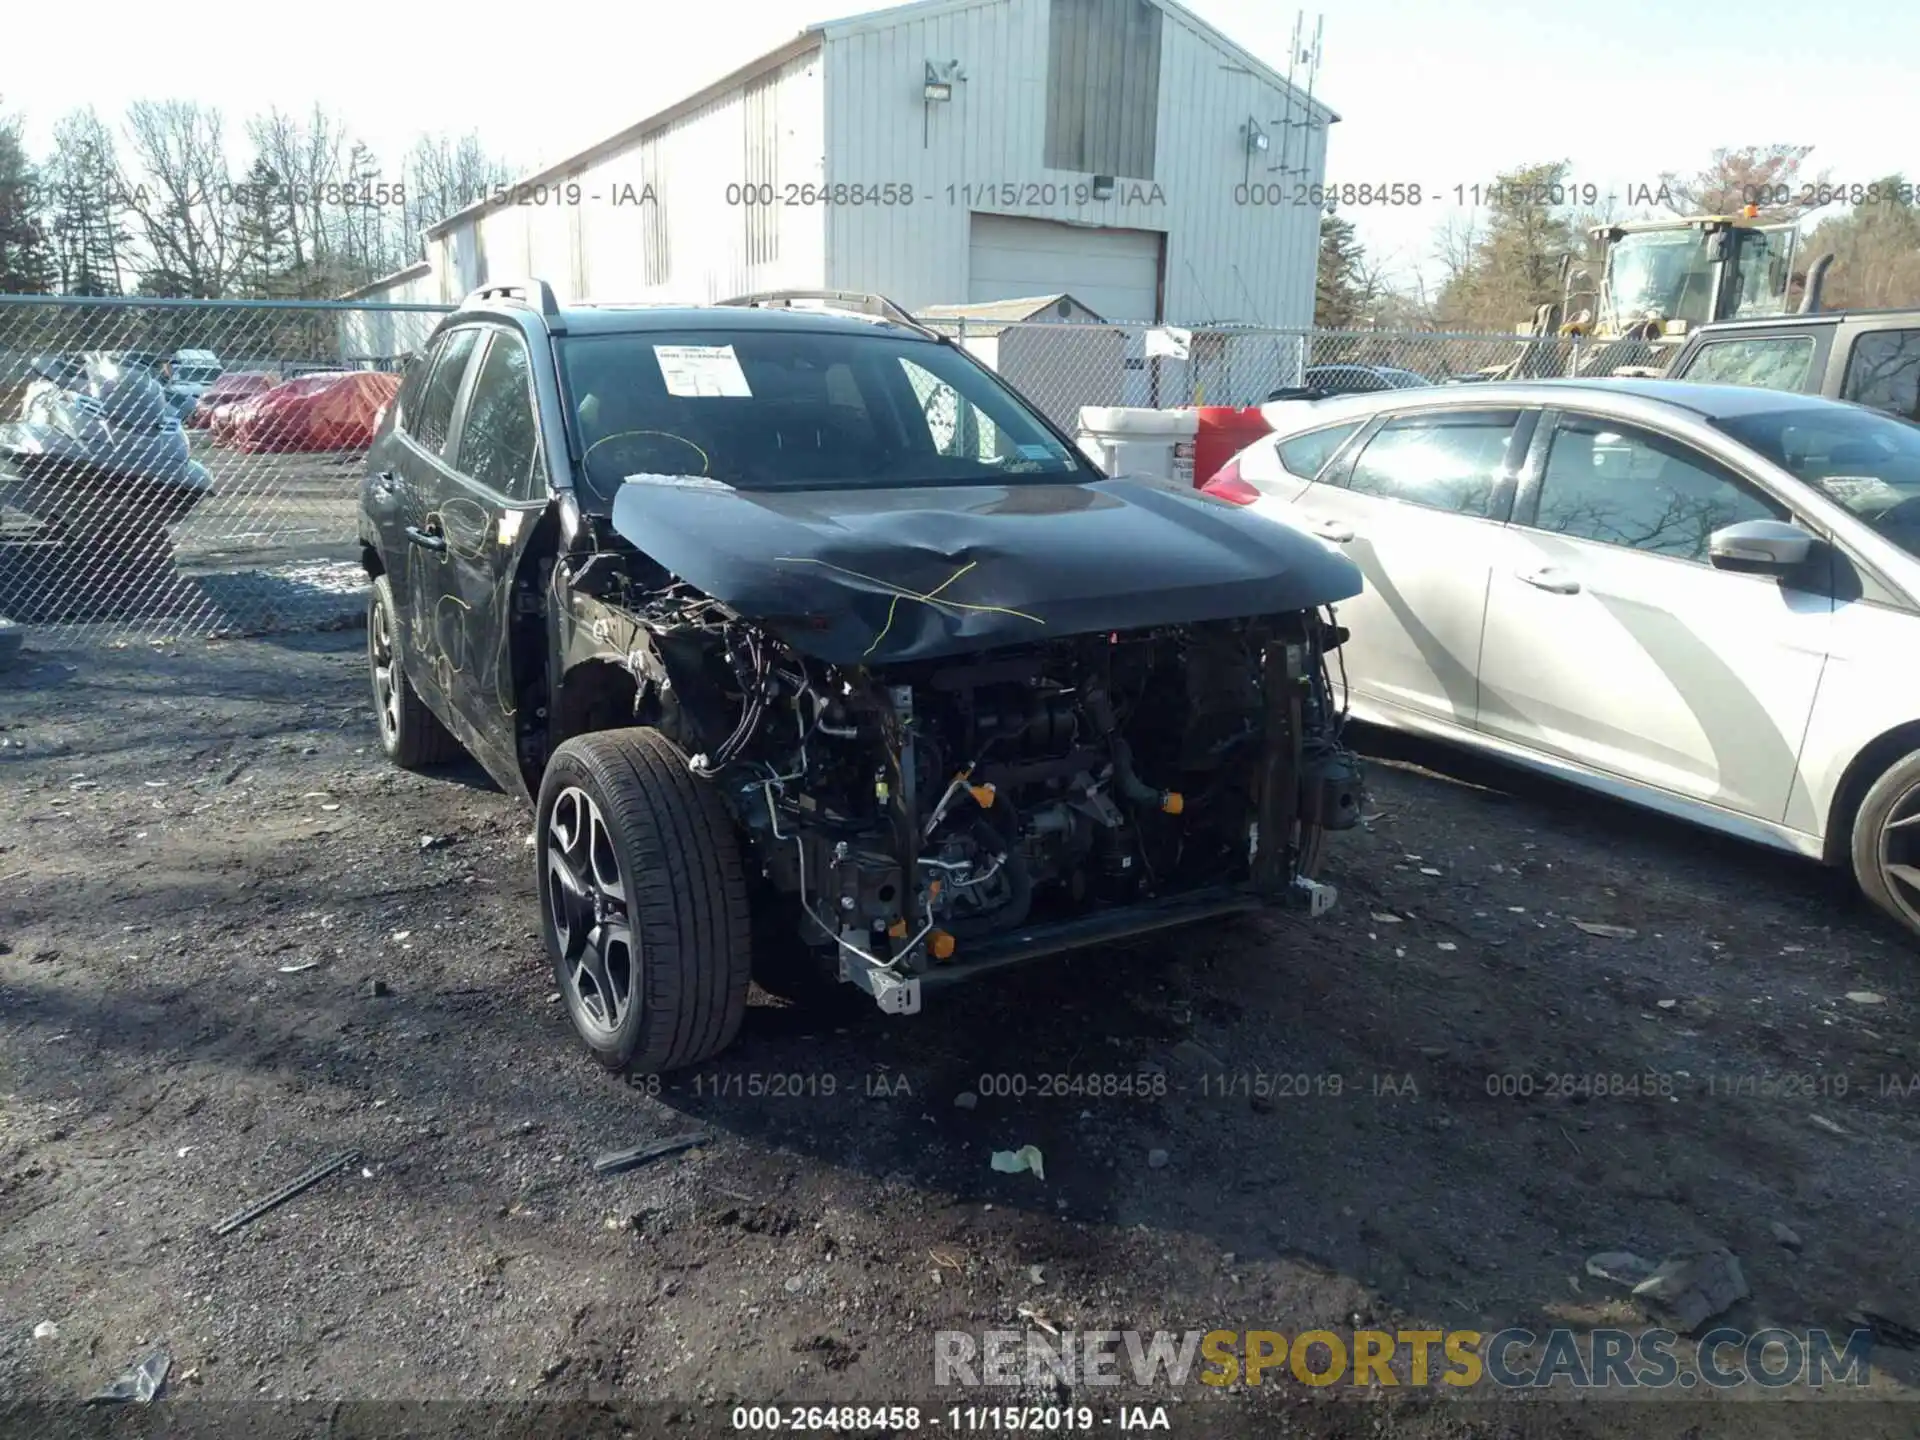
234 944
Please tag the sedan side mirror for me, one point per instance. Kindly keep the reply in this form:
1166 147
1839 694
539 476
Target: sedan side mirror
1759 547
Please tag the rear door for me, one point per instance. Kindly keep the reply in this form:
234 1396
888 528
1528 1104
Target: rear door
1612 642
490 499
1418 503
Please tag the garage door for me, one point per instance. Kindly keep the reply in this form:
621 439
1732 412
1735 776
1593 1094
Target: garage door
1115 273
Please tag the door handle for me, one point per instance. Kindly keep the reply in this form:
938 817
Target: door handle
1554 582
426 540
1332 530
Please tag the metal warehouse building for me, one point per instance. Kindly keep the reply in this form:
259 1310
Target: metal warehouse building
942 153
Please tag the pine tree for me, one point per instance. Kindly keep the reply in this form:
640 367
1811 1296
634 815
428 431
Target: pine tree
26 261
84 188
265 268
1341 292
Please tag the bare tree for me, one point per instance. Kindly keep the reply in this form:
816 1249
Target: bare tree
185 205
444 176
87 197
307 161
1769 176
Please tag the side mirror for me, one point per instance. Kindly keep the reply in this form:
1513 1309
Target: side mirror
1759 547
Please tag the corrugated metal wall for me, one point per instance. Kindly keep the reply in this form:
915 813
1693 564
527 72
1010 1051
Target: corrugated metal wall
1226 259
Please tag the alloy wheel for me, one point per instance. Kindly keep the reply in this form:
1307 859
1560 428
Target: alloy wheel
587 900
386 684
1898 855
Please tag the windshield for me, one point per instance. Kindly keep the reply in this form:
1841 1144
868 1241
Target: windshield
1661 274
775 409
1766 271
1867 462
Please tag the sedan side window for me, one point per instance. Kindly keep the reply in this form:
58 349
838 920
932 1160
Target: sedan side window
1884 372
1307 455
433 416
500 439
1621 485
1450 461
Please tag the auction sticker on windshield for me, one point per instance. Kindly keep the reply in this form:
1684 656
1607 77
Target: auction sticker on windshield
701 370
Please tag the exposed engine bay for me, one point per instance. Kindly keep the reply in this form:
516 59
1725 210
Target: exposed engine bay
920 818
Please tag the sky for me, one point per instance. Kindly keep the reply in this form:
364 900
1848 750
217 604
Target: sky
1442 93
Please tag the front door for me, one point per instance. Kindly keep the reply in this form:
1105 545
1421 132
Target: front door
492 494
1610 641
1420 508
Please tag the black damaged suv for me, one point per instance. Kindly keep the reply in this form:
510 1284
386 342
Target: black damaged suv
824 657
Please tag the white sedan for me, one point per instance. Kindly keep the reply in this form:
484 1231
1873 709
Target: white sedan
1704 599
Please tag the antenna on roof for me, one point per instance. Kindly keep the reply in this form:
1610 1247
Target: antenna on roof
1303 61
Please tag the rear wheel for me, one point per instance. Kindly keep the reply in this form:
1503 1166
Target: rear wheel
410 733
1886 842
644 902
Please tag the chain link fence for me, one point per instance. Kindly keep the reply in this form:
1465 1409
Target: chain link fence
174 468
191 468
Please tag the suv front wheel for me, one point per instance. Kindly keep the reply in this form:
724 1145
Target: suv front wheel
643 902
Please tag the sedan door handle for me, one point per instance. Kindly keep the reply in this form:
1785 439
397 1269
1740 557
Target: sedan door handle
425 540
1554 582
1332 530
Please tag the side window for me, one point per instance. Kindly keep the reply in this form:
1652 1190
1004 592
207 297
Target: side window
1622 485
1884 372
1451 461
1307 455
432 417
956 426
1770 362
414 380
500 439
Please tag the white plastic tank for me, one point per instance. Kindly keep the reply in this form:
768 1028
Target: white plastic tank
1140 443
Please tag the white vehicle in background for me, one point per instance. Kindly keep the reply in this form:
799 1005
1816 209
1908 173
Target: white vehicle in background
1704 599
188 374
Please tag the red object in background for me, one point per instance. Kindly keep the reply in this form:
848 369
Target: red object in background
336 411
229 389
1224 433
1227 485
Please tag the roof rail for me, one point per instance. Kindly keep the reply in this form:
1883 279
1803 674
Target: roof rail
855 301
534 294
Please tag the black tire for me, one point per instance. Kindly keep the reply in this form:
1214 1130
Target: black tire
1894 797
410 734
683 907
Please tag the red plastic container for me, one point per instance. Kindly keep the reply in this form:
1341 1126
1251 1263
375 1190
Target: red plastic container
1224 433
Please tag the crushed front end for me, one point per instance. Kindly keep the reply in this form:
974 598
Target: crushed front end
917 822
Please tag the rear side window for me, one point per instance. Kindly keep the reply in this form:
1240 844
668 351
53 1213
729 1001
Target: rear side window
432 417
499 441
1884 372
1307 455
1770 362
1450 462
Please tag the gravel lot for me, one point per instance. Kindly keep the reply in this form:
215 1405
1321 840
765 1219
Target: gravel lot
233 944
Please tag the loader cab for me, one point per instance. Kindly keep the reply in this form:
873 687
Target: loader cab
1664 278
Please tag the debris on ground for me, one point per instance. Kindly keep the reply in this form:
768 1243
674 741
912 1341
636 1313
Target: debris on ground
1691 1290
136 1386
615 1162
1036 1318
1826 1124
1014 1162
1036 1274
378 990
1157 1159
965 1100
1866 997
1871 1316
1622 1267
1381 917
945 1259
46 1330
435 842
1606 932
300 968
286 1192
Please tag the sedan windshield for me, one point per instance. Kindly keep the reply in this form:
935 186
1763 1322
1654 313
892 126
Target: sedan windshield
1867 462
780 409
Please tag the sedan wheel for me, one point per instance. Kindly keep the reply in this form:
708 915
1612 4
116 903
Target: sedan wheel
1886 843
